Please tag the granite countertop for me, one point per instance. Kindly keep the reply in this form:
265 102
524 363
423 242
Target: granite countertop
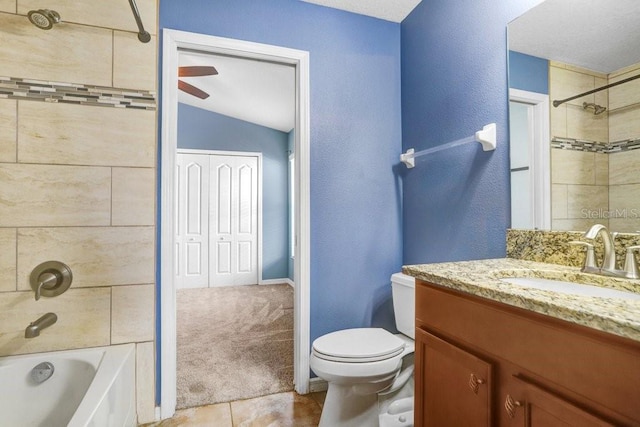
482 278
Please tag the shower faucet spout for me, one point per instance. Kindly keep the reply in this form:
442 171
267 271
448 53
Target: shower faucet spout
43 322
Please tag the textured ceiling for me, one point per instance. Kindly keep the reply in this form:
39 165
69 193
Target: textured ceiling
254 91
600 35
389 10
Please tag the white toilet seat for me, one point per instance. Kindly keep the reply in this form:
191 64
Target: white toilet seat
359 355
355 373
358 345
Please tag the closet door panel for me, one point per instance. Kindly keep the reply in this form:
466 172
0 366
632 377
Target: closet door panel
192 224
234 218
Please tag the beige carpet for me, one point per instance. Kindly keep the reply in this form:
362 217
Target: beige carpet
233 343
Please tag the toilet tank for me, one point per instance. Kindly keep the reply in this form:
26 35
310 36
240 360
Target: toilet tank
403 290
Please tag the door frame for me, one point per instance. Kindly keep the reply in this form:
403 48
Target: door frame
173 41
258 156
540 155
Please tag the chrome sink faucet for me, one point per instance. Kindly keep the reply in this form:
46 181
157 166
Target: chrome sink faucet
609 266
609 260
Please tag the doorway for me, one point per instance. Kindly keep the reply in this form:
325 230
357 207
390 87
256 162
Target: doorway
234 328
529 160
173 41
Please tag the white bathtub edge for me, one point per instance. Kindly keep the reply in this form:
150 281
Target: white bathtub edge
116 360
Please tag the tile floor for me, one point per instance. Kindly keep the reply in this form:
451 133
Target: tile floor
276 410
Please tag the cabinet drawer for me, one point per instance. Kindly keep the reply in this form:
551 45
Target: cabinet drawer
528 405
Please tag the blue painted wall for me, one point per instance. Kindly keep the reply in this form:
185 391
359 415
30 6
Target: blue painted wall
528 72
454 81
204 130
356 228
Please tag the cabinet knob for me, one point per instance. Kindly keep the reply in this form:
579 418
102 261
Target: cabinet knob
510 404
474 383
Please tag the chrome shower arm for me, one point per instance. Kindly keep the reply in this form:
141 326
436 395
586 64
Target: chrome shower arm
143 35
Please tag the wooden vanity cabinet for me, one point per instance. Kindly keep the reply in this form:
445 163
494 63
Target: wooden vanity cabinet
483 363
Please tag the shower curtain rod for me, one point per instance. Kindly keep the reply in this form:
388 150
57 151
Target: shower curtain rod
143 35
562 101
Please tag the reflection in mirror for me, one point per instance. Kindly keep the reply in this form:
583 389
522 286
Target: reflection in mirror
558 51
529 151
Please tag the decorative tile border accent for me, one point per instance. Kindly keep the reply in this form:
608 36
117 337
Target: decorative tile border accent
594 146
70 93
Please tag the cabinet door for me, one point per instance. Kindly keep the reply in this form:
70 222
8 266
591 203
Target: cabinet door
453 387
528 405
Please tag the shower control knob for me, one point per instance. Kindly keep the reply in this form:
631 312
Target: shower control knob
50 279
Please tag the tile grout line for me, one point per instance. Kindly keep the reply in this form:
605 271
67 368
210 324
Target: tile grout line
111 198
111 316
113 55
17 128
231 414
15 285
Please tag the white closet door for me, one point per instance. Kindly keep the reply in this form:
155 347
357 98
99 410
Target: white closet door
192 233
234 220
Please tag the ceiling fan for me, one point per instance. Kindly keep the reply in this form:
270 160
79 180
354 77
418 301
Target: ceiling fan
194 71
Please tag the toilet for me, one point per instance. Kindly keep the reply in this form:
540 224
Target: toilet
369 371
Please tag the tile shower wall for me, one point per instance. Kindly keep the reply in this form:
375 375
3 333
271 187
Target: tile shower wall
579 179
595 183
624 167
77 177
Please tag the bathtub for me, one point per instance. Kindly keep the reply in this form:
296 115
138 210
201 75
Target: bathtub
88 387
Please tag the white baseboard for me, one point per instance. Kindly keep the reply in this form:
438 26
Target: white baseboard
317 384
277 281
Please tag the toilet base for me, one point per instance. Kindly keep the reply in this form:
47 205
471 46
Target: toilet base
398 414
396 409
404 419
344 407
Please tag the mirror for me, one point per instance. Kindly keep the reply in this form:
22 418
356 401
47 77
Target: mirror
575 163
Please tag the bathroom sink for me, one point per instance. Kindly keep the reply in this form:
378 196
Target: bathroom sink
570 288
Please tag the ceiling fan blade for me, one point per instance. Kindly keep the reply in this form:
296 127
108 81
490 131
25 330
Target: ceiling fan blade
192 90
196 71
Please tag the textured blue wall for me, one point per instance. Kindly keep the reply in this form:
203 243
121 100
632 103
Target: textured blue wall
528 72
356 226
204 130
454 81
